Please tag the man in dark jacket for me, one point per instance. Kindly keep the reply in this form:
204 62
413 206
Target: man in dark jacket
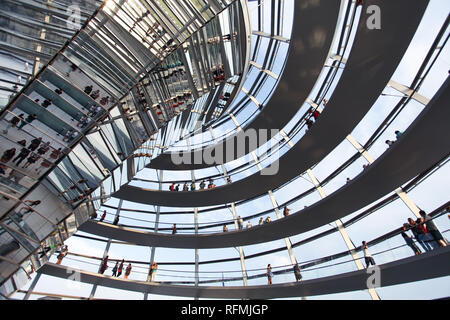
433 229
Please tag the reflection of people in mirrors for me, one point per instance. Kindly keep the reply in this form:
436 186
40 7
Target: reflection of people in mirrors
62 253
45 250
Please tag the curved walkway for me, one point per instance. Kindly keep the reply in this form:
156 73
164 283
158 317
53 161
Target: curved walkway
419 148
373 60
312 35
426 266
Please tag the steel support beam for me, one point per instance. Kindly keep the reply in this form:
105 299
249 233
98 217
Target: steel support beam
339 224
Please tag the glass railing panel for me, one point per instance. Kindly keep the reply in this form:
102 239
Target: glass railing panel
84 164
106 156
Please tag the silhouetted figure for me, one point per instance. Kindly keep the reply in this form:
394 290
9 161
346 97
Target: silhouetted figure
8 155
13 122
114 270
55 153
269 274
409 240
35 143
95 94
367 256
28 120
88 89
298 275
46 103
31 160
419 234
153 270
119 271
103 216
104 265
43 149
240 222
433 229
24 152
127 271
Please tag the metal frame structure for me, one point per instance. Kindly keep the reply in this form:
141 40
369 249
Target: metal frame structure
179 71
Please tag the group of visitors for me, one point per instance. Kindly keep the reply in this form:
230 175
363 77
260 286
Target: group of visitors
202 185
81 196
169 46
14 122
175 102
264 221
16 119
95 110
70 135
226 96
425 232
62 253
312 114
158 32
46 103
224 38
117 269
296 268
172 71
219 73
397 136
28 207
171 104
84 121
240 221
95 94
33 152
102 218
